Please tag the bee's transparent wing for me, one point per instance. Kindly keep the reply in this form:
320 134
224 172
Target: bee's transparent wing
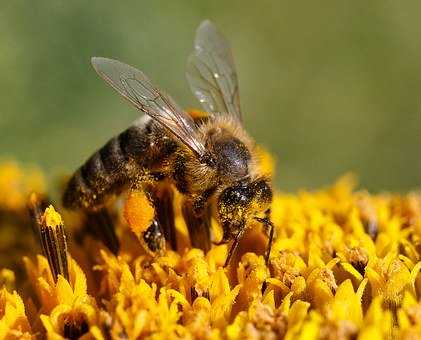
136 87
211 72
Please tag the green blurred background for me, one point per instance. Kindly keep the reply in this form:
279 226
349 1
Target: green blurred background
328 87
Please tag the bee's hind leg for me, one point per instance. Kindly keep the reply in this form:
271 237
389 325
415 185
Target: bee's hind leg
198 220
149 212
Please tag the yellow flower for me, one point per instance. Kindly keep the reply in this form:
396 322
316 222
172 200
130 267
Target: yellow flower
261 322
197 271
344 264
252 273
66 307
388 278
13 321
322 285
136 312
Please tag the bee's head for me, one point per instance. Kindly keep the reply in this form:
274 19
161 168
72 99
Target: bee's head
230 155
244 199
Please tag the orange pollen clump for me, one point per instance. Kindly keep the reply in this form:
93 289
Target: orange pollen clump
138 211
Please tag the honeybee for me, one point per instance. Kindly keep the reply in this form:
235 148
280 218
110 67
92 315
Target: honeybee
210 160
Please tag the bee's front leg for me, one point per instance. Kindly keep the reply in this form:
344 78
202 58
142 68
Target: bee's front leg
269 229
197 216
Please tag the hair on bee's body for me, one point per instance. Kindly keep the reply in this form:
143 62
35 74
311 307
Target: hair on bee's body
123 159
208 158
146 152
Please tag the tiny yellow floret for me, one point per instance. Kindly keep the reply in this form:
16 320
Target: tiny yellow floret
52 217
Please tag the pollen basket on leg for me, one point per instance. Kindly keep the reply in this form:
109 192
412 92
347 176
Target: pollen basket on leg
139 211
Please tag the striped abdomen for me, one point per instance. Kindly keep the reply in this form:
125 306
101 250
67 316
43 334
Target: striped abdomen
111 168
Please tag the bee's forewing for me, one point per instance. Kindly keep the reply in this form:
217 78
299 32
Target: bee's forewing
211 72
136 87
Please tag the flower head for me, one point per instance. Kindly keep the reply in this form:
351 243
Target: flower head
344 264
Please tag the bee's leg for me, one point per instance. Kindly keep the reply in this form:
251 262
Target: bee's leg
198 220
268 225
142 212
153 239
234 246
100 223
163 197
270 242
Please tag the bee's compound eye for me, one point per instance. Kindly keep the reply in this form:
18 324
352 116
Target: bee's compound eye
236 195
233 204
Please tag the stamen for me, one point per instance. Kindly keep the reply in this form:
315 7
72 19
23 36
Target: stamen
53 242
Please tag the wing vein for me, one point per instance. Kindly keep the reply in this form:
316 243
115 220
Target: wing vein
136 87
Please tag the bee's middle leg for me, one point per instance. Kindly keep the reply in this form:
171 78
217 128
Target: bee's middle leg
163 197
198 221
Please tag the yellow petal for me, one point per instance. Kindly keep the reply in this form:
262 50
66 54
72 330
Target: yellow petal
346 304
286 304
79 285
64 291
234 331
414 274
298 312
219 285
269 298
350 269
221 307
